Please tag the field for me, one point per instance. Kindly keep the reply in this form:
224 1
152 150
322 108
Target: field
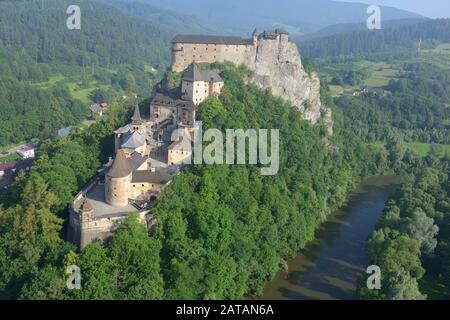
79 90
11 146
439 55
420 148
423 148
379 74
9 158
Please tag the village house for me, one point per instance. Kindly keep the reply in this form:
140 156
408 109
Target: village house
26 152
97 109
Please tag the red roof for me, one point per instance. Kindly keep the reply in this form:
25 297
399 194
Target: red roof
8 166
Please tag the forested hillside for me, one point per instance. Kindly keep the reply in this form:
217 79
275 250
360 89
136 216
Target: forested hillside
222 230
416 109
390 43
49 72
298 16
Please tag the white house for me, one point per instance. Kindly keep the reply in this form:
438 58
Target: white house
26 152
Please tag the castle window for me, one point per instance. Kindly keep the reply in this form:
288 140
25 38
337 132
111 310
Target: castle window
143 185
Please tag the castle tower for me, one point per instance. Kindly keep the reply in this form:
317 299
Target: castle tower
136 120
192 86
255 38
283 34
87 211
118 181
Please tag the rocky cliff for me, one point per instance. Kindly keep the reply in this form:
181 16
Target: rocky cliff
278 66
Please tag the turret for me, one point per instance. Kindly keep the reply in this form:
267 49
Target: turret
86 211
118 180
283 34
255 37
136 120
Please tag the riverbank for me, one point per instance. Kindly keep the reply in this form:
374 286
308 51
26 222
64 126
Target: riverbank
329 266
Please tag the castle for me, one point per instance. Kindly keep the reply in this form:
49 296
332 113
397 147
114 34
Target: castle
148 156
209 49
147 159
271 56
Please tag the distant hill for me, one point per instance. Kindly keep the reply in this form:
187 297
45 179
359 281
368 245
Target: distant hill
167 19
298 16
366 43
108 36
49 72
351 27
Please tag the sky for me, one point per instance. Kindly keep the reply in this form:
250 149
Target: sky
428 8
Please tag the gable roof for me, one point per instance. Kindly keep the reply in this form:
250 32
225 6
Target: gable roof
133 141
160 176
120 168
205 39
96 108
281 31
196 73
8 166
162 100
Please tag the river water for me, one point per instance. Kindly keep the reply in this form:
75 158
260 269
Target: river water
329 267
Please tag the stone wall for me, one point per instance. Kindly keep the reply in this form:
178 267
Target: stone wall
144 189
183 54
84 232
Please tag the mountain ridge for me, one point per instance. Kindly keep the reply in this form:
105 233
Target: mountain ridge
298 16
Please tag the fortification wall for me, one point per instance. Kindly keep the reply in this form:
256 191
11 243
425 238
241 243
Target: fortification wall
84 232
183 54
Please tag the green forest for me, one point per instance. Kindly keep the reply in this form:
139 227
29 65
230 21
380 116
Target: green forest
388 44
415 109
223 230
51 75
411 242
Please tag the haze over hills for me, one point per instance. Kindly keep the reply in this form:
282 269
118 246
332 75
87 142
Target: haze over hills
298 16
169 20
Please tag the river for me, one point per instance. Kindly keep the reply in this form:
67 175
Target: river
329 267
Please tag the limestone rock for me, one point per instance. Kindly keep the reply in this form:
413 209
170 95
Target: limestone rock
278 66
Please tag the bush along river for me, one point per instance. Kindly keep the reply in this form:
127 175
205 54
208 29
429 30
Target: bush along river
330 266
